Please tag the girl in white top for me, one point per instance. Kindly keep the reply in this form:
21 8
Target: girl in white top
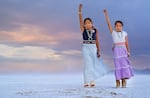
121 51
119 37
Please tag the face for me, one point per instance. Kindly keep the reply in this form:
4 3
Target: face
88 24
118 27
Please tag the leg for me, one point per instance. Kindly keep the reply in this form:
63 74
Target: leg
124 83
117 83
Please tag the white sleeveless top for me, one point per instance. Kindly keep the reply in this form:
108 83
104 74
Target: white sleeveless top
119 37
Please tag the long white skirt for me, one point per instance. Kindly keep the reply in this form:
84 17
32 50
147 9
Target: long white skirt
93 66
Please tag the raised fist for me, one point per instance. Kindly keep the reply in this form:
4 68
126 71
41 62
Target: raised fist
105 11
80 7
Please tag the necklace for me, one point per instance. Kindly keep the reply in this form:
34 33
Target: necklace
119 34
90 34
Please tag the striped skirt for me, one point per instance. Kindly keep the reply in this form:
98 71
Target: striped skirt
93 66
123 67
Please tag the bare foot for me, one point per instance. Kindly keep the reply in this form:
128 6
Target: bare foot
86 85
92 84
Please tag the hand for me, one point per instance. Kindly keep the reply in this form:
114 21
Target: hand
105 11
128 54
113 48
98 54
80 7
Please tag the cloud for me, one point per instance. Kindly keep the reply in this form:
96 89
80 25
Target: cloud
36 53
35 35
29 52
26 33
72 52
38 59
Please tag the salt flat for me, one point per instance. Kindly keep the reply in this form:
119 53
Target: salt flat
70 86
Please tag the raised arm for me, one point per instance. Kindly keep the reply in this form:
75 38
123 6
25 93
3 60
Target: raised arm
108 21
80 18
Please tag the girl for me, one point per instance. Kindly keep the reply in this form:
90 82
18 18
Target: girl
121 51
94 67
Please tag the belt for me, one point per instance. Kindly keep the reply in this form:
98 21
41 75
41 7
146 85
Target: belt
89 41
119 44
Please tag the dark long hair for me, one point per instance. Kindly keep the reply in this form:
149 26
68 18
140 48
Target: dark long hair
118 21
88 19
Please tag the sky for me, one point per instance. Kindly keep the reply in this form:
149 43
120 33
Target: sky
43 36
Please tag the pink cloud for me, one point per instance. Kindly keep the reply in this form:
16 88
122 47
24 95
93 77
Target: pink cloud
26 33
